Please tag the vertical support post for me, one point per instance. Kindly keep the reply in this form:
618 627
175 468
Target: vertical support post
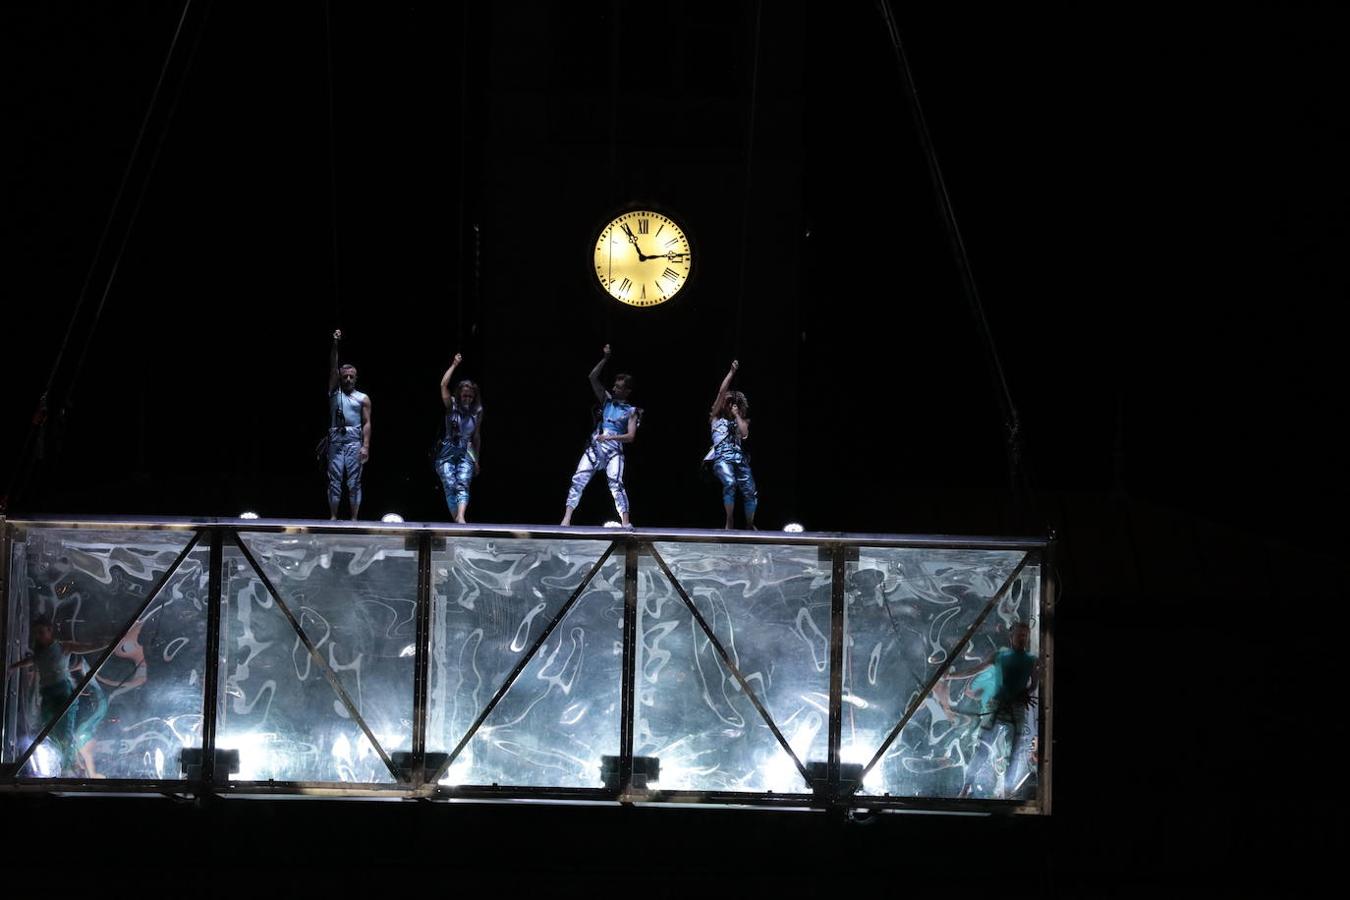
211 666
1045 741
628 713
422 661
837 578
6 605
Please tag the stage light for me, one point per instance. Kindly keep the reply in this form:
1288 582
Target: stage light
612 524
849 776
248 515
46 760
793 528
190 762
392 518
646 771
432 762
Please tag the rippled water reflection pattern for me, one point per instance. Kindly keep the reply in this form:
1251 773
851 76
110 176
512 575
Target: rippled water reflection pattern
145 704
492 601
497 606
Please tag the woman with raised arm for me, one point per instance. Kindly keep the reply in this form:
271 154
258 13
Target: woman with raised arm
617 426
461 448
730 422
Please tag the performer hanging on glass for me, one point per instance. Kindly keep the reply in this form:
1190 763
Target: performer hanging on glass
617 425
1003 685
348 434
53 659
730 421
461 447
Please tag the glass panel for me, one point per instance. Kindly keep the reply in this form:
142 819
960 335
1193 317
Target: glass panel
561 716
144 706
491 601
355 596
769 608
974 736
905 611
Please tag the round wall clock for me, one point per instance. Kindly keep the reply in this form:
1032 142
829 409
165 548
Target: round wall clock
642 258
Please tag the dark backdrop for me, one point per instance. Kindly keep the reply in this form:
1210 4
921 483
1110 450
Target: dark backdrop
1152 200
1148 201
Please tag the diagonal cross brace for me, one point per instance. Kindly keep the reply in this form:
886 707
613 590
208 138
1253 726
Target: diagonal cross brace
519 667
106 654
937 676
327 670
731 666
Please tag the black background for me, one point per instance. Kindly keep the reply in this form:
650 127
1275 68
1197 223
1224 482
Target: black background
1153 202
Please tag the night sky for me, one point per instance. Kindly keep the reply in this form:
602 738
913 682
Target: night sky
1153 203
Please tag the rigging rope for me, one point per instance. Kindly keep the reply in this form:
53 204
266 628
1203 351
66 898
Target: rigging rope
1011 420
749 178
23 467
332 164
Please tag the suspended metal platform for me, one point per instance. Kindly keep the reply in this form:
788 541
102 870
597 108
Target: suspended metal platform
442 661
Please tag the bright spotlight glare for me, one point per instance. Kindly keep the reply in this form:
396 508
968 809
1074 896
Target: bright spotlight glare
248 515
793 528
392 518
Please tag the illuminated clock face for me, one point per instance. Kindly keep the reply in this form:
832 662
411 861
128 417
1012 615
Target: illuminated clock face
642 258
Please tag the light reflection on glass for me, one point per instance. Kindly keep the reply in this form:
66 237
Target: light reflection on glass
498 609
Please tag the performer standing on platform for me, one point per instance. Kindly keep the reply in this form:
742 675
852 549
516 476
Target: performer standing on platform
730 421
617 426
457 458
52 659
348 434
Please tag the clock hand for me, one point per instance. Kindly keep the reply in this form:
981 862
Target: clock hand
633 239
642 257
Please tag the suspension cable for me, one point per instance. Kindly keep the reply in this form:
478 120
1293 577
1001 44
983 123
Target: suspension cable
23 467
332 164
749 177
1011 420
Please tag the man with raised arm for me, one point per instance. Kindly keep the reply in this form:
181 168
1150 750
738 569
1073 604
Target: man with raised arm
348 433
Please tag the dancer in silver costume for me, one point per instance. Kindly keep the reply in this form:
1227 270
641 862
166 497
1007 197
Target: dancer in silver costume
461 448
730 422
348 434
617 426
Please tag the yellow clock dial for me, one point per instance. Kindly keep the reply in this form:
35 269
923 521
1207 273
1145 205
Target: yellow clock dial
642 258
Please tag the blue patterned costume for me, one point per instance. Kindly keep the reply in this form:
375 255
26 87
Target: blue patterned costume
456 458
344 446
607 455
731 464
